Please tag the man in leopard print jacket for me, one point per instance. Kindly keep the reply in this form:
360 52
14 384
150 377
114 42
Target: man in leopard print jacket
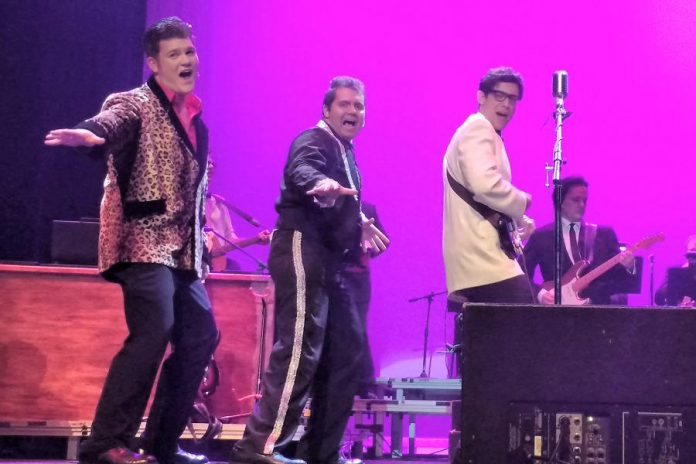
151 244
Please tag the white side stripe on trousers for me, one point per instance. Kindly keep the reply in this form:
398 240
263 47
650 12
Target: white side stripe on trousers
296 344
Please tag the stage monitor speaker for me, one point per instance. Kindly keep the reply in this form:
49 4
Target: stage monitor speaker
75 242
625 367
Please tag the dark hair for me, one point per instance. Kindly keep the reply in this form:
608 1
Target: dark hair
167 28
497 75
568 183
339 83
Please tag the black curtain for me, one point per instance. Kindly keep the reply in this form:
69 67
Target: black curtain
60 60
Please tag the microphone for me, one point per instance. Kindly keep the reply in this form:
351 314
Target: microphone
560 85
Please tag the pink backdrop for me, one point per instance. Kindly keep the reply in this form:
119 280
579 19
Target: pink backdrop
266 64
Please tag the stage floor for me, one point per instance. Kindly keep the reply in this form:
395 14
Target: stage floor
423 460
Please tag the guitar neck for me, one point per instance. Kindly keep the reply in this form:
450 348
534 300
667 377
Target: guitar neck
597 272
587 279
227 247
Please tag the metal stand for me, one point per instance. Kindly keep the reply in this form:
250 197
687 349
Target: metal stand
557 163
430 297
560 91
651 260
262 347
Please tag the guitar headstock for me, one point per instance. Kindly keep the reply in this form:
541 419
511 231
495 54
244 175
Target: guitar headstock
647 242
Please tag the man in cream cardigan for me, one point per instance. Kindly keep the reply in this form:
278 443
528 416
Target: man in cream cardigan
479 184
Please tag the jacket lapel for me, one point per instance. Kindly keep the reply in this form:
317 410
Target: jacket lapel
202 141
201 155
167 105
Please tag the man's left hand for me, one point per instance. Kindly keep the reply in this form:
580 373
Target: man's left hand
628 260
525 227
264 237
374 241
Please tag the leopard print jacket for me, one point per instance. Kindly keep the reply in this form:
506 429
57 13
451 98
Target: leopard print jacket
154 191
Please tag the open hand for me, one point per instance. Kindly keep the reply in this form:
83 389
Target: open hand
331 189
374 241
73 138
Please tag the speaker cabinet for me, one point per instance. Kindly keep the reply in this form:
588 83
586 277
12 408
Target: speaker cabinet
527 368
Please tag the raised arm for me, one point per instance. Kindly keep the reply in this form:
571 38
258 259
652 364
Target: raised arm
306 171
73 138
116 124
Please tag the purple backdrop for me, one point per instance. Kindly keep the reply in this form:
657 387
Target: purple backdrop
265 66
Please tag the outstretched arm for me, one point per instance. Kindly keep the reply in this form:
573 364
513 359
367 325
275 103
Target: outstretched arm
118 122
329 190
73 138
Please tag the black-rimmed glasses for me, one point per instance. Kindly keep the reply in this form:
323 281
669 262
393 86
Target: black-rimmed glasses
500 96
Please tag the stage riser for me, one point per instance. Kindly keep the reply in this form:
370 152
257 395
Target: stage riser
62 326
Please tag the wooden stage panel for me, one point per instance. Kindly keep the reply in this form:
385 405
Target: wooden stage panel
61 326
239 312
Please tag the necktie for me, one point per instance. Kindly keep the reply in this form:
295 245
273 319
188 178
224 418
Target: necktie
574 249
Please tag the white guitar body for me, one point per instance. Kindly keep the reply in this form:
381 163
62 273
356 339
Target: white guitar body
570 297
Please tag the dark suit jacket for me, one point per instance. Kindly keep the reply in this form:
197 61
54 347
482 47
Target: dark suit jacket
539 251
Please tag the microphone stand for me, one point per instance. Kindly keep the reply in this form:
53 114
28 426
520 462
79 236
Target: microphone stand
262 347
261 265
247 217
430 297
651 260
559 115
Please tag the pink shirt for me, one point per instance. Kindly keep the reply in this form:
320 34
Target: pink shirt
193 106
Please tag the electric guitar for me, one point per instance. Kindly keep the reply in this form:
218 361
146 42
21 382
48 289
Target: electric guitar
218 260
510 241
572 283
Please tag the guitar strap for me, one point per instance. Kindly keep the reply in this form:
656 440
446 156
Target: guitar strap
487 212
588 236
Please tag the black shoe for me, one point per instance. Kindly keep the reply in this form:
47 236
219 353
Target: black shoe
242 456
120 455
182 457
285 460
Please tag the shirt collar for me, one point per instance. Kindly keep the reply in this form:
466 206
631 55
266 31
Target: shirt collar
500 133
566 224
192 102
327 127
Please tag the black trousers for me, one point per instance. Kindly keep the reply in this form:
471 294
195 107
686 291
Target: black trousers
514 290
360 288
162 306
319 340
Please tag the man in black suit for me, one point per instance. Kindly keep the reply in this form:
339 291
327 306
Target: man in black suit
582 241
